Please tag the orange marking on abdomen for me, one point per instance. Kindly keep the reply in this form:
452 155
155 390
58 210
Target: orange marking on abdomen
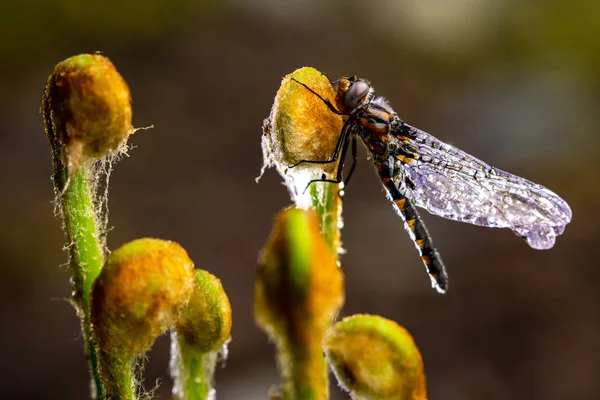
400 203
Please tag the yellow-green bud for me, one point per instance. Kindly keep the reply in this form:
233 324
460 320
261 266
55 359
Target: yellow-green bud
299 286
139 294
87 109
375 358
205 322
301 127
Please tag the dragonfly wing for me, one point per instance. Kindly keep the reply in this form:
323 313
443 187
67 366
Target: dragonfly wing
453 184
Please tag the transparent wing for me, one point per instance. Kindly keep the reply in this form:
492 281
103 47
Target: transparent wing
453 184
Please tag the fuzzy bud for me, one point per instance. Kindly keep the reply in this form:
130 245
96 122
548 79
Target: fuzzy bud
375 358
205 322
301 127
139 294
87 109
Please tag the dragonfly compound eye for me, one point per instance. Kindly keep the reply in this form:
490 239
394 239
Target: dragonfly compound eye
355 94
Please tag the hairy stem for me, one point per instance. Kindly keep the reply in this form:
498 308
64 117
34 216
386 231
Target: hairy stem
86 255
118 373
195 370
304 371
326 201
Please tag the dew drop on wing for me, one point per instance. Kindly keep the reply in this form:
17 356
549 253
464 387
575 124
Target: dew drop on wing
539 237
543 237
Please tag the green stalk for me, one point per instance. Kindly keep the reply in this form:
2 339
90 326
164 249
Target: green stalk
303 367
303 370
195 370
325 200
85 254
118 374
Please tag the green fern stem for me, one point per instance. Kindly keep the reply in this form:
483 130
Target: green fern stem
325 200
119 376
85 252
195 371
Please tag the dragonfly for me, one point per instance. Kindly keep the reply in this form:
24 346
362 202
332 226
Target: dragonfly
419 170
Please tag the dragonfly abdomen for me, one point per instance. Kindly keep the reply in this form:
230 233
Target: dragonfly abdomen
397 189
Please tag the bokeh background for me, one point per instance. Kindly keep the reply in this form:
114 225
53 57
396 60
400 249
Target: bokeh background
514 83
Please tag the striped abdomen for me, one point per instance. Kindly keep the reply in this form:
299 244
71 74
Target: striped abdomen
396 188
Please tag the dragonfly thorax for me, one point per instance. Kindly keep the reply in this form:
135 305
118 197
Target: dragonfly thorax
377 124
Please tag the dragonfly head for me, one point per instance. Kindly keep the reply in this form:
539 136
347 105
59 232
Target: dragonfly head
352 93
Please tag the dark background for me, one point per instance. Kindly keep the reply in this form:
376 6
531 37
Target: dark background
516 85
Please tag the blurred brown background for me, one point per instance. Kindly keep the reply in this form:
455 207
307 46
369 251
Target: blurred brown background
516 85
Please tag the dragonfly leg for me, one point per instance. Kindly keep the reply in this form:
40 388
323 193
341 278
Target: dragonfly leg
353 166
323 99
340 170
336 153
341 147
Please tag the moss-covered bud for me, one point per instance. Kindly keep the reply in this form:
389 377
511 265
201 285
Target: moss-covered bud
205 322
87 109
139 294
301 127
201 332
375 358
299 290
